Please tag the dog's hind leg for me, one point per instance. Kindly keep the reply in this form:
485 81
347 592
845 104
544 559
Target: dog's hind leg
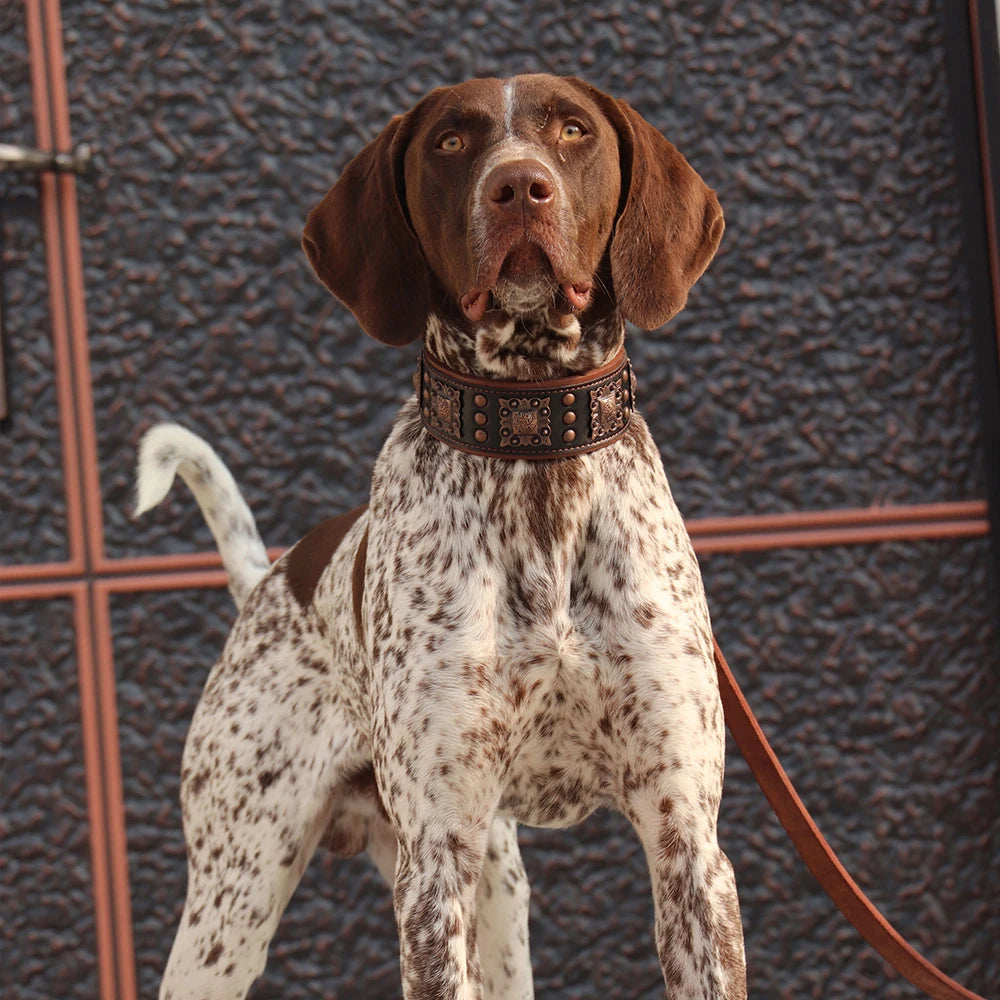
269 764
502 903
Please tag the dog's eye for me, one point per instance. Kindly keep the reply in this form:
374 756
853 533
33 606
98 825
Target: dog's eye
451 143
572 131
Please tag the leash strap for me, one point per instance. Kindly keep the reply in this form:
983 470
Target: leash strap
819 857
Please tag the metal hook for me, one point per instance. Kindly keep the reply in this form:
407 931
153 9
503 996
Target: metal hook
43 160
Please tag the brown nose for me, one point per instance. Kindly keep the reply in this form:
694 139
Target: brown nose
519 186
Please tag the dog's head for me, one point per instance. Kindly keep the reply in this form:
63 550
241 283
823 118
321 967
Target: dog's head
524 211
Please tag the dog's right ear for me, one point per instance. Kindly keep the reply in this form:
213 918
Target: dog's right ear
360 244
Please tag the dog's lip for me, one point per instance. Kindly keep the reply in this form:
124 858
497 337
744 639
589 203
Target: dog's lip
578 294
475 302
478 299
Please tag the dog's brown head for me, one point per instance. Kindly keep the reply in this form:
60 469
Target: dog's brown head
537 205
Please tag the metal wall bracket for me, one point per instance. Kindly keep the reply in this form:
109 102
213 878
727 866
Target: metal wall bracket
43 160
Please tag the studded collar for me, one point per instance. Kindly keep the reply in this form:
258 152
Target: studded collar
550 419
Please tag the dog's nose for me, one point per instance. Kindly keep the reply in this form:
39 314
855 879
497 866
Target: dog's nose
519 186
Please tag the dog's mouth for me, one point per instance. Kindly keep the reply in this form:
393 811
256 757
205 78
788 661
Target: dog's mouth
527 279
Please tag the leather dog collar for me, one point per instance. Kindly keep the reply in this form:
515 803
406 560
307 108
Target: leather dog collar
555 418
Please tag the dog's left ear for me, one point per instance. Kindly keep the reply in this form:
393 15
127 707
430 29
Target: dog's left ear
361 246
669 220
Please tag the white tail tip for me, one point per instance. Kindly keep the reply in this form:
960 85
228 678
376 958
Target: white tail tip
161 451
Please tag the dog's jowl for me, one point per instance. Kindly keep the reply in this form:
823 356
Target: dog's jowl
514 629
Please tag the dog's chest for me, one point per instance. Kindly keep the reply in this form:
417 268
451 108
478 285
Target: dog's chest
520 548
527 602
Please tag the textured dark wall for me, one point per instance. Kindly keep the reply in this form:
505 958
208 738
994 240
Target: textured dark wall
874 672
822 362
32 500
47 931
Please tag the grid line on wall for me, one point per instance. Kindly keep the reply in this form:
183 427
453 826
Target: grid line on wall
105 802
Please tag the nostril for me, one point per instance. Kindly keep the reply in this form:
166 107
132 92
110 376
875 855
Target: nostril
502 194
540 190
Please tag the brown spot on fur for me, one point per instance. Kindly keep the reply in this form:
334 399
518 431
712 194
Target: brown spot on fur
214 955
304 565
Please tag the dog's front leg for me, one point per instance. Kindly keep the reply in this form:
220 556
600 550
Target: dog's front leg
442 827
503 898
436 877
671 795
439 751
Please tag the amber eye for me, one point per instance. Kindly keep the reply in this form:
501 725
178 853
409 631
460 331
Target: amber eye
572 131
451 143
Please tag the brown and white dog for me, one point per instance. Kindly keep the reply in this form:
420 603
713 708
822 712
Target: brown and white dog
493 640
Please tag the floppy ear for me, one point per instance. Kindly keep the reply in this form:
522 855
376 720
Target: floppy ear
669 223
360 244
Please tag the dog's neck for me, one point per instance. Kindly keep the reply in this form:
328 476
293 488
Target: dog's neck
537 420
530 347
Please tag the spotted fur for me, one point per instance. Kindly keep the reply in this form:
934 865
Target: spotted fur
530 640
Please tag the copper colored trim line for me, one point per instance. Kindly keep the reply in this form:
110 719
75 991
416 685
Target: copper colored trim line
869 525
94 773
839 536
175 562
837 518
115 958
46 590
193 580
172 563
865 525
57 305
984 161
70 286
86 429
104 672
21 575
817 853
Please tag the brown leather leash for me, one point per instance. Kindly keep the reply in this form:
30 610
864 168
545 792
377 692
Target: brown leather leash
819 857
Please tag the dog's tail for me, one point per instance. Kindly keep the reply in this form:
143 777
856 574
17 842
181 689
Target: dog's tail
168 449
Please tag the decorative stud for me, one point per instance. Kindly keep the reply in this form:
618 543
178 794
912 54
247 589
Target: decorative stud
569 399
529 418
480 418
607 409
479 399
480 436
569 436
444 411
569 417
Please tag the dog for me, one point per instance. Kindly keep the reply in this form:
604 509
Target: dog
514 630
